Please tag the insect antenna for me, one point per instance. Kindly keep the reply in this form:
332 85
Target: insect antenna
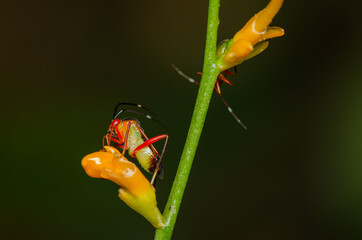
142 114
218 92
191 80
131 104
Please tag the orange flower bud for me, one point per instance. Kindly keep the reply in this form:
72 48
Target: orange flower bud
246 40
136 191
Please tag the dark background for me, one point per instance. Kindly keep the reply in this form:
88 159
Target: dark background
294 174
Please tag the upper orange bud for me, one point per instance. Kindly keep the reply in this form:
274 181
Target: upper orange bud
255 30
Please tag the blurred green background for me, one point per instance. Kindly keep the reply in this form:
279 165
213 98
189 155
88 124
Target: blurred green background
294 174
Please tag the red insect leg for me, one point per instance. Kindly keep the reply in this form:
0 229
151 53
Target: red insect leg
224 79
230 73
114 127
149 142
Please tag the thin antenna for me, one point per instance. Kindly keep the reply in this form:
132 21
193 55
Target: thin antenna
143 114
191 80
131 104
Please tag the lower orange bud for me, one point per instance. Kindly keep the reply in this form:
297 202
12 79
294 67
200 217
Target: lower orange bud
136 191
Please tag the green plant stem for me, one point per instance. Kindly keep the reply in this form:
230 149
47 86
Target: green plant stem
209 76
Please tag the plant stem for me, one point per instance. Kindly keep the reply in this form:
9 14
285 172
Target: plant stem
208 80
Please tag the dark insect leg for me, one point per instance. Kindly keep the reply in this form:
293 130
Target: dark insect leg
126 138
153 180
232 112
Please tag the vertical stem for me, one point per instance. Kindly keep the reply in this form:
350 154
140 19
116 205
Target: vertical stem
209 75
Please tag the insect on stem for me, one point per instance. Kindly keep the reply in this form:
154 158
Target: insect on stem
217 90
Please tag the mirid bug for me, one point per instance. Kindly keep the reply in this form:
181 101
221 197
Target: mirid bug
220 79
127 134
